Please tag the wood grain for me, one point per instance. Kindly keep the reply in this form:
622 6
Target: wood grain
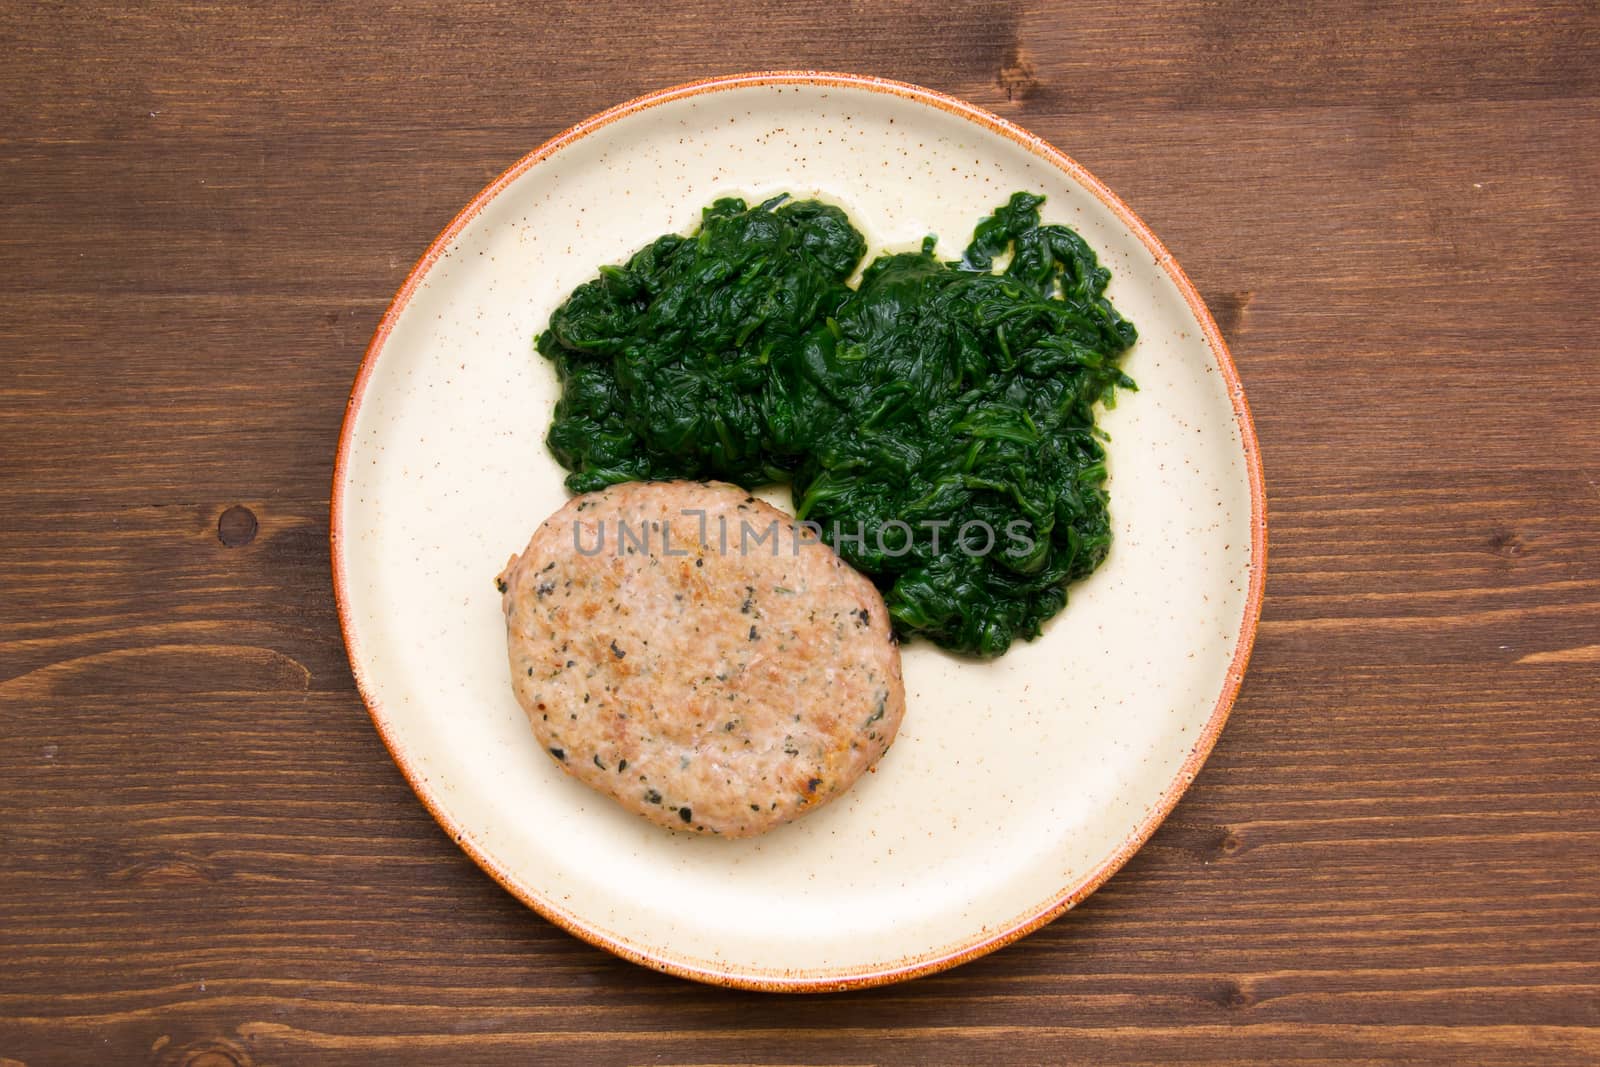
206 855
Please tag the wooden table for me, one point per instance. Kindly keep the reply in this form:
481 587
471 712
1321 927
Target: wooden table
206 855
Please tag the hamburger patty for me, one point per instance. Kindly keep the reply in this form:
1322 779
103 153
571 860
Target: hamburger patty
693 653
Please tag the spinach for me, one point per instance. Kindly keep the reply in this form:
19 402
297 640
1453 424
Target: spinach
936 423
664 362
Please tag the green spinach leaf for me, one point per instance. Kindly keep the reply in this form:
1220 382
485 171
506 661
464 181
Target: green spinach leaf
936 423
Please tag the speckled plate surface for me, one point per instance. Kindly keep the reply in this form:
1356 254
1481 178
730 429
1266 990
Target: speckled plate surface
1015 787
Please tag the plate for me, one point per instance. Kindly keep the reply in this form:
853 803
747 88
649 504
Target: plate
1016 787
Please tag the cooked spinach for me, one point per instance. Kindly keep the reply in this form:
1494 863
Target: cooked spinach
665 362
937 423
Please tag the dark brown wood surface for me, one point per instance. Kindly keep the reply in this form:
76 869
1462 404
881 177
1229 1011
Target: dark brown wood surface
206 855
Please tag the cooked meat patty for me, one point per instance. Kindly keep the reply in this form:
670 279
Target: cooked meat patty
695 654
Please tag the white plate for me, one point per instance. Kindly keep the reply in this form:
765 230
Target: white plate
1015 787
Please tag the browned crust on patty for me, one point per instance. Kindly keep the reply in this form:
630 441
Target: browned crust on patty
691 652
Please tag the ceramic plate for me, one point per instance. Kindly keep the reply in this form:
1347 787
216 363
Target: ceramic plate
1015 787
